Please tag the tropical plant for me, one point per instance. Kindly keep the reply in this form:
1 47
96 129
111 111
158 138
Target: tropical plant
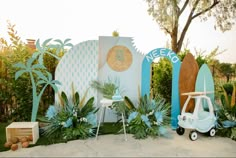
107 89
227 114
149 118
72 118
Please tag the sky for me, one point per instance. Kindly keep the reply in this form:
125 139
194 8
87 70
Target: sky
82 20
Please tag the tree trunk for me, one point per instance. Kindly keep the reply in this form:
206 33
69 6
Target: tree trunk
174 39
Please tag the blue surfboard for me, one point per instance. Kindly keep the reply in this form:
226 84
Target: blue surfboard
205 83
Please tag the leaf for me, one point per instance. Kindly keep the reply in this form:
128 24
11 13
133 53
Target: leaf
49 76
64 98
56 82
29 62
38 46
233 96
35 54
73 91
41 82
69 45
40 59
38 66
19 73
19 65
83 99
40 75
54 87
128 103
59 41
67 40
226 96
76 99
88 107
46 42
60 99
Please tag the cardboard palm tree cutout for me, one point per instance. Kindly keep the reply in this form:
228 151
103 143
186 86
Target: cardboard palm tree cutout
35 65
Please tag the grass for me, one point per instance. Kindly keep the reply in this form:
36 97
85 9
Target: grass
110 128
3 136
105 128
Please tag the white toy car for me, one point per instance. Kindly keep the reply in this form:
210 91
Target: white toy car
200 120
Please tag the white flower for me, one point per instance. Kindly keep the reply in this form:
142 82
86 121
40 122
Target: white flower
62 123
74 113
155 123
150 113
83 119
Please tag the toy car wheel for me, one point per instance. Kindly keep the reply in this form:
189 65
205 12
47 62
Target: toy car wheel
212 132
193 135
180 130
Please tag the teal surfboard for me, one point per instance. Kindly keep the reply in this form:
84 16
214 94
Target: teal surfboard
205 83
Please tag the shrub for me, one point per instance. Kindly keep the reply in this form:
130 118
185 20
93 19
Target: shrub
72 119
149 118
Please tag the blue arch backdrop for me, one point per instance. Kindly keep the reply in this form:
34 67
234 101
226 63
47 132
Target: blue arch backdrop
146 79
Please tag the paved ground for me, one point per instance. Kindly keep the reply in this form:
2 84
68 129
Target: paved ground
116 146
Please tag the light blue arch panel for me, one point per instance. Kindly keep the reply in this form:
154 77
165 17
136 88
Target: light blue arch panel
146 79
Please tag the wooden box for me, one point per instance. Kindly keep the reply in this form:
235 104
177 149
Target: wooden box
23 129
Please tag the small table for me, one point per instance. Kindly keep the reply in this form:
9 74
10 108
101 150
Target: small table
105 104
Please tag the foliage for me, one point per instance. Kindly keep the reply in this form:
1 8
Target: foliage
15 97
72 119
107 89
227 70
162 79
169 12
227 114
148 119
228 88
3 138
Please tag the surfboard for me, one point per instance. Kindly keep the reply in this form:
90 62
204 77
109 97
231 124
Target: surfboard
205 83
187 79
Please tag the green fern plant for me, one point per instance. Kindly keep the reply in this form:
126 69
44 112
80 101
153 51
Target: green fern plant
227 114
149 118
107 89
73 118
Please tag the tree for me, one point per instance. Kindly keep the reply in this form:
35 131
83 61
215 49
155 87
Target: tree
226 70
167 14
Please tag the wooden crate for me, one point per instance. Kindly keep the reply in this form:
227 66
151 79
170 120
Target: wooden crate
23 129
